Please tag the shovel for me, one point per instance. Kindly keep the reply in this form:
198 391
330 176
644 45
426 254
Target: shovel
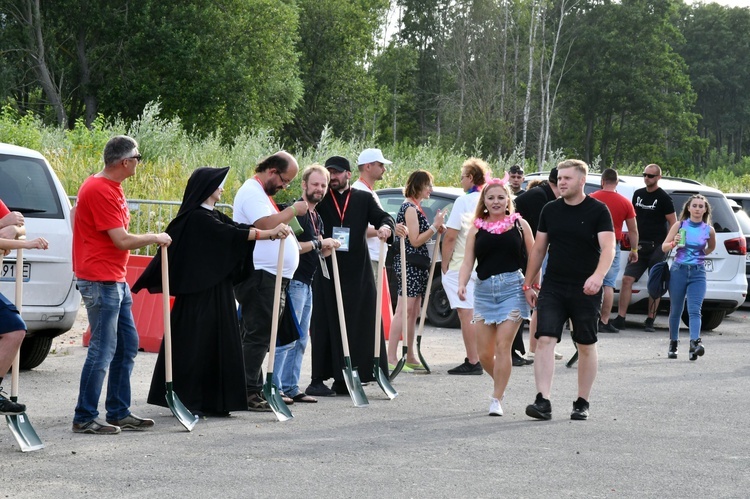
380 376
183 415
19 424
351 376
404 319
425 302
270 390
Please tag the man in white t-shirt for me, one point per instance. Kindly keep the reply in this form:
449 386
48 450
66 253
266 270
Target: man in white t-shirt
454 244
371 165
254 205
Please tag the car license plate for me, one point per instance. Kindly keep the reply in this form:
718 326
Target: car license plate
9 272
709 264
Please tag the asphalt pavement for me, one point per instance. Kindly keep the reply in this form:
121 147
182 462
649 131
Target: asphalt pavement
658 428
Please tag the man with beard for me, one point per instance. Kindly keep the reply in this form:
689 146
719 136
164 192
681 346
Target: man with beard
254 205
346 212
577 232
288 360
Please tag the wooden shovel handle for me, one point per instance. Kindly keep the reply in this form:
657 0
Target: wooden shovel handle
16 369
429 285
276 306
340 304
404 294
166 315
379 301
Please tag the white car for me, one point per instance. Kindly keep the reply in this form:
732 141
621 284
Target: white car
726 283
50 298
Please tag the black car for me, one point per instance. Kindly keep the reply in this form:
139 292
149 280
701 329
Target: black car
439 311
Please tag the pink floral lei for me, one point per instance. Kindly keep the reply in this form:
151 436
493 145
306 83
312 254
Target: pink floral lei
497 227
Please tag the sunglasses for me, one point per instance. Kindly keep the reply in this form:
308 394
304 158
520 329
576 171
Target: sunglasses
137 157
517 170
649 175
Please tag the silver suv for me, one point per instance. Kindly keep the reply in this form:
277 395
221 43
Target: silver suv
50 298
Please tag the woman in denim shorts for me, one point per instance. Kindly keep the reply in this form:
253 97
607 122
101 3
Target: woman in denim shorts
497 244
687 282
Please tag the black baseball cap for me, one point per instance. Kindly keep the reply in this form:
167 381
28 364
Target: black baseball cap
338 163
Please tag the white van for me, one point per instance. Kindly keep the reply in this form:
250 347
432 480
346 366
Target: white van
50 298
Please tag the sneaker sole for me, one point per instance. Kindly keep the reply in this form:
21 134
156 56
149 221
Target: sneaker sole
466 373
533 412
133 428
11 413
96 432
495 414
575 416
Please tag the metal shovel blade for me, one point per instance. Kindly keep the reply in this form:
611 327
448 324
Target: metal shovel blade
275 401
183 415
421 358
382 380
400 364
354 384
23 432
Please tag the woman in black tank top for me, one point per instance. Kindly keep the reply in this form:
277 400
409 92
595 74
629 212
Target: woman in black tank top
499 241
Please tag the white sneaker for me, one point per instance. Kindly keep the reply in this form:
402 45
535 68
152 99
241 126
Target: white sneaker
495 409
558 355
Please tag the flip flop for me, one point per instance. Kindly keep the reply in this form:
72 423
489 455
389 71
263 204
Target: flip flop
302 397
415 367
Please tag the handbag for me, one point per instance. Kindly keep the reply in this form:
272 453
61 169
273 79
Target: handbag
658 278
418 261
524 255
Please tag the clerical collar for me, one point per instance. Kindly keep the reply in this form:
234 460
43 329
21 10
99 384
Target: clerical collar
207 206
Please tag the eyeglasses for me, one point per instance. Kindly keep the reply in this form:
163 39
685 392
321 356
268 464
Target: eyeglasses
137 157
283 180
649 175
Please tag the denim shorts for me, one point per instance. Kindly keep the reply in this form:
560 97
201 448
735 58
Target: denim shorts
496 297
611 278
10 319
559 302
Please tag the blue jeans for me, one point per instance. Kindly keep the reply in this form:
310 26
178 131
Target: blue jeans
686 281
288 359
113 346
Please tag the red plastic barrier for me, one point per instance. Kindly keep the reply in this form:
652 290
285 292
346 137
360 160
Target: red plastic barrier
147 309
386 309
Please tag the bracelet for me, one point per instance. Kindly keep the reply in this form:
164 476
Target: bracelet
255 234
673 244
294 210
433 229
634 250
536 286
525 288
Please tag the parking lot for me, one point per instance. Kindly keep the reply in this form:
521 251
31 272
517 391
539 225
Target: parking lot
658 428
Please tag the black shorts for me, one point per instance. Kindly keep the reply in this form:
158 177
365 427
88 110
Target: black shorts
10 319
559 302
646 260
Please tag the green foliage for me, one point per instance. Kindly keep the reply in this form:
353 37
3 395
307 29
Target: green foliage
18 129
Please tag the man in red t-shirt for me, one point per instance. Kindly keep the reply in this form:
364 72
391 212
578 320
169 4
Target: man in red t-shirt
621 210
101 246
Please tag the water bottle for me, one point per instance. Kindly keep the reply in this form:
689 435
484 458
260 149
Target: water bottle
683 236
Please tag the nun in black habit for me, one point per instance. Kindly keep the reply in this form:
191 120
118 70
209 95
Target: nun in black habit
206 256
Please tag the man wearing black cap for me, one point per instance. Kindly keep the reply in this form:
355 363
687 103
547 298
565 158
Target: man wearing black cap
346 212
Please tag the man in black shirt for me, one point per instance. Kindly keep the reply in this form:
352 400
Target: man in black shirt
288 359
654 214
577 231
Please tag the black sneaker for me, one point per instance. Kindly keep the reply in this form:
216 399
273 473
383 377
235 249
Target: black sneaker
580 410
648 325
10 408
339 386
540 409
672 354
618 322
696 349
607 328
467 368
133 422
319 389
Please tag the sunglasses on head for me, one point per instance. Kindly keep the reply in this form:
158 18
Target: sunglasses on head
516 170
650 175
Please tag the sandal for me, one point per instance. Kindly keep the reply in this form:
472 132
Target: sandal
302 397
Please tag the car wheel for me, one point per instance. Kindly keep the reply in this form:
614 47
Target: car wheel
34 350
439 311
710 320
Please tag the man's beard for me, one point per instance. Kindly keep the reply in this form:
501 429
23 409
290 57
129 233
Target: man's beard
312 197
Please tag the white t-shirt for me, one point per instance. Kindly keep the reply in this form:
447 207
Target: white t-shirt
252 203
373 243
460 219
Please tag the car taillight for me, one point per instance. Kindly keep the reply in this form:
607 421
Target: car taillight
736 246
625 241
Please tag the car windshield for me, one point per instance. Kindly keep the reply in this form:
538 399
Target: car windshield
27 186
